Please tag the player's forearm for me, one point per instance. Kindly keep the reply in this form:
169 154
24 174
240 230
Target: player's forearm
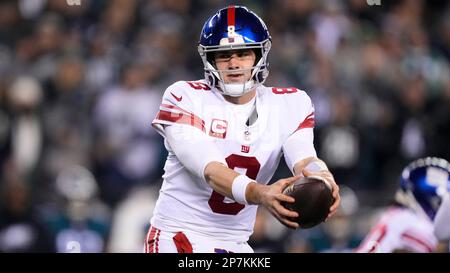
221 179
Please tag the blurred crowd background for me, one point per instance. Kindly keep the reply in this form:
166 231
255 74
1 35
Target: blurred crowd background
80 165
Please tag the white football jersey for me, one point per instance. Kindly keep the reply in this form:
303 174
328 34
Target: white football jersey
400 228
186 201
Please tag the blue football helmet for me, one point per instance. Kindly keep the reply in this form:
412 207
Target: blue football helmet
423 184
233 28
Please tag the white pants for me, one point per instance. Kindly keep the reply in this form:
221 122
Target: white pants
159 241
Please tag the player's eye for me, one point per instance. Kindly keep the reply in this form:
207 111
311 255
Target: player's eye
244 54
223 57
227 56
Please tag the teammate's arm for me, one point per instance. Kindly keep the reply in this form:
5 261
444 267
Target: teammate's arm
442 219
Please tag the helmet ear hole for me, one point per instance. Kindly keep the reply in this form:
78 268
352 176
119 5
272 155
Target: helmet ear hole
259 76
258 54
211 79
210 58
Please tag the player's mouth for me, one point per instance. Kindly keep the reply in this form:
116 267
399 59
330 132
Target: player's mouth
234 77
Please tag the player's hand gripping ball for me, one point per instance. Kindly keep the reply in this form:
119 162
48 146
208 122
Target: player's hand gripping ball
313 199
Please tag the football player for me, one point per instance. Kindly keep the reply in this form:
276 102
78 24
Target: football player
225 136
442 224
407 225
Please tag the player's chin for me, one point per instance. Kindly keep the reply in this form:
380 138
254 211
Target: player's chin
235 79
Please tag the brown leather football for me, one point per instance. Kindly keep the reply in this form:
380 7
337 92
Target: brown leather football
313 199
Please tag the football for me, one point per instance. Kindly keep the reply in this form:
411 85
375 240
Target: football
313 199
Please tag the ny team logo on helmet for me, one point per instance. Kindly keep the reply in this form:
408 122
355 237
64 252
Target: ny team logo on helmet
424 182
233 28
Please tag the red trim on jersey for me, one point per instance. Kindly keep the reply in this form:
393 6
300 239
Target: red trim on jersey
181 118
157 241
310 115
416 240
170 106
307 123
231 16
374 238
182 243
152 241
147 239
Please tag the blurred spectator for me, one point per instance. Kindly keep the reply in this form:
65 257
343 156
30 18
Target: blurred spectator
46 47
130 220
268 235
9 21
330 25
81 221
27 132
21 229
100 68
444 35
440 121
339 142
65 115
414 126
126 154
30 9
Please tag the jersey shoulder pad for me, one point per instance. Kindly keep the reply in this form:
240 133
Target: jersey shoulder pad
295 104
185 92
291 97
179 106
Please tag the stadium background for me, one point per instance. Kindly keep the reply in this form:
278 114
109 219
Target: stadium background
81 167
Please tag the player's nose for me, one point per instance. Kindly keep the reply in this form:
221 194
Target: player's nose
233 62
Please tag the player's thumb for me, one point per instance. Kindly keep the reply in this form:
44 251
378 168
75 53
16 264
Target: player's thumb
290 181
307 172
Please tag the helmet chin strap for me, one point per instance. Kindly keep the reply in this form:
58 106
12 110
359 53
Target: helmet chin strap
236 89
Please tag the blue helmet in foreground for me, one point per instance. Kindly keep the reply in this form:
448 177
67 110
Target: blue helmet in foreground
233 28
423 184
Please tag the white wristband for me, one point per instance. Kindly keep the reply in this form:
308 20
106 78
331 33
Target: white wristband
316 166
239 187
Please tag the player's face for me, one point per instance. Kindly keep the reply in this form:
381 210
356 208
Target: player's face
235 60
